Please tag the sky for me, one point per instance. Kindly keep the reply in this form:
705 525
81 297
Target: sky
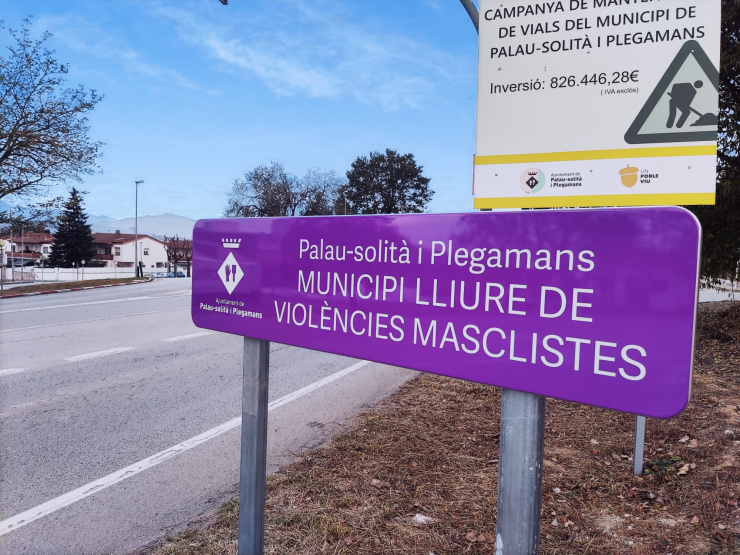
197 93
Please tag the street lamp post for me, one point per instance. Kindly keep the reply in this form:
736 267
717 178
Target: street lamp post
2 265
12 247
23 267
136 230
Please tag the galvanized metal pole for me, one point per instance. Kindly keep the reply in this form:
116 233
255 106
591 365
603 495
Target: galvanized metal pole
136 230
639 451
520 473
472 12
256 371
12 248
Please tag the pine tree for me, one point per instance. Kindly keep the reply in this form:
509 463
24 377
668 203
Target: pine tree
385 183
721 223
73 241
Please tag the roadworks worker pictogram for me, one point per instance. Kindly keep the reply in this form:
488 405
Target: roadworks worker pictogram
683 107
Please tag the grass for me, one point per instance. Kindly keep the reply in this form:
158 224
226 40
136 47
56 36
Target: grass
432 450
41 287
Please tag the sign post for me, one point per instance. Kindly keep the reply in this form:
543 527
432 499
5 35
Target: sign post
253 468
521 451
638 452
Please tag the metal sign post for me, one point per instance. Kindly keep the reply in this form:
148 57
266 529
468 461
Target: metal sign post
520 473
639 451
252 474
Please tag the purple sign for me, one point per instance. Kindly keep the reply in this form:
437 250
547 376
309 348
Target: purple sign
591 306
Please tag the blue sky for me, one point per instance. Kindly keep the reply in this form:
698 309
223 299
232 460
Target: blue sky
197 93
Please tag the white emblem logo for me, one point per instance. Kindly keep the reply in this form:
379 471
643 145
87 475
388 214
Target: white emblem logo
230 273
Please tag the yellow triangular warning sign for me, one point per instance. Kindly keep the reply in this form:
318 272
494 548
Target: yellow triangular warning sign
684 105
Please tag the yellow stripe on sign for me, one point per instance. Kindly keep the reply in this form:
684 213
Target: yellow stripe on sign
676 199
660 152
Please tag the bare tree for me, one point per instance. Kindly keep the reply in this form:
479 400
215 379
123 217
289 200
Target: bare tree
270 191
43 125
177 250
188 254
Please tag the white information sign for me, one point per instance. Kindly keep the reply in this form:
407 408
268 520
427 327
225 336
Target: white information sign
597 103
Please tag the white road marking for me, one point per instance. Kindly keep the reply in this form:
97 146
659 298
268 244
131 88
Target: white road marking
179 292
97 354
10 371
188 336
40 511
127 299
316 385
94 319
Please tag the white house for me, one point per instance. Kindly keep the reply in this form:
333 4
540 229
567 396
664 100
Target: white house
28 249
117 249
111 249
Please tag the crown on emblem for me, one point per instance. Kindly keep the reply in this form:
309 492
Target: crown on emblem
231 243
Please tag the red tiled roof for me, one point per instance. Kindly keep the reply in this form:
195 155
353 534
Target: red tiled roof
118 238
32 238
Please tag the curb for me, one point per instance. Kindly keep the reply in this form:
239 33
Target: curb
74 289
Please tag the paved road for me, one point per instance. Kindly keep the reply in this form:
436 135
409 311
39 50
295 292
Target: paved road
94 383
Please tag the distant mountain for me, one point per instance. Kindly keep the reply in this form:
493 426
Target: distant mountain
156 226
91 218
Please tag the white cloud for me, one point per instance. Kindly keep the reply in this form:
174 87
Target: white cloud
83 36
318 50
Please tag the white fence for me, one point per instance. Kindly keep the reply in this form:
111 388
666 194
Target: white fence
39 274
75 274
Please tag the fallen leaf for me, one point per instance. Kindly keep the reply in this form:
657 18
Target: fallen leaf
594 442
554 522
684 439
693 444
482 538
471 537
695 520
378 484
683 470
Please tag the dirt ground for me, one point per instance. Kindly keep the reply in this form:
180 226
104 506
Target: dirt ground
419 475
40 287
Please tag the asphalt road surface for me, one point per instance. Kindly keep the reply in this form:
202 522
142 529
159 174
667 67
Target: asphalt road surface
119 419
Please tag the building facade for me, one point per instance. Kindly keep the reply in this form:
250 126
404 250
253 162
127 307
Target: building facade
111 250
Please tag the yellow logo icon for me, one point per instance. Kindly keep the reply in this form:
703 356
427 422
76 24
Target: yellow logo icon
629 176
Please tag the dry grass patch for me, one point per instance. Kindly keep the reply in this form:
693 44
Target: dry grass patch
41 287
432 450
